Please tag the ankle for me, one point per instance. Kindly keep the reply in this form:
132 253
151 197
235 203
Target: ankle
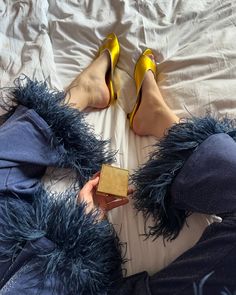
165 119
89 89
77 99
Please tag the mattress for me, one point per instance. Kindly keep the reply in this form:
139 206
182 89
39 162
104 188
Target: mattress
193 42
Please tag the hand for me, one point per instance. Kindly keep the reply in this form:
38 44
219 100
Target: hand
104 203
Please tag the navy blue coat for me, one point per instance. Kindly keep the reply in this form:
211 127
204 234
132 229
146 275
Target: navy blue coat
48 245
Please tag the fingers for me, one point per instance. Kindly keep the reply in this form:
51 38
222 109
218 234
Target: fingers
94 181
96 174
90 185
104 203
130 190
88 190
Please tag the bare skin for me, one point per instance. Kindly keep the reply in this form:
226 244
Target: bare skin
104 203
90 86
91 89
153 117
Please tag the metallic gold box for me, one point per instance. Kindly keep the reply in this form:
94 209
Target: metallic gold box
113 181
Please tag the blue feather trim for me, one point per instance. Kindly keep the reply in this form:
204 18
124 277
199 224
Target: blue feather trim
154 179
83 152
87 253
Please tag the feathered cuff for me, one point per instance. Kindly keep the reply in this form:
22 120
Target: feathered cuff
86 258
154 180
83 152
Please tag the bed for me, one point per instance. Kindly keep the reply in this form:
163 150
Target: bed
193 42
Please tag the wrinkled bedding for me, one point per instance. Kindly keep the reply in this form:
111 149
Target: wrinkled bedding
196 57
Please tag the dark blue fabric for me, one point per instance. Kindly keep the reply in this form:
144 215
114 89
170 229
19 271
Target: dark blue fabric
206 183
206 269
48 244
25 152
214 254
154 179
83 152
26 257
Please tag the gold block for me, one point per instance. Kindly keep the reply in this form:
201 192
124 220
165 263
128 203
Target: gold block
113 181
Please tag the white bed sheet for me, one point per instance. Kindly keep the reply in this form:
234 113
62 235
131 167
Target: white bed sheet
194 42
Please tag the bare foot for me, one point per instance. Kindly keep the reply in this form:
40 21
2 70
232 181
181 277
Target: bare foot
153 116
89 89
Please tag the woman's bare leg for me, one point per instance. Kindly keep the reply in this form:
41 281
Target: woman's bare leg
89 89
153 116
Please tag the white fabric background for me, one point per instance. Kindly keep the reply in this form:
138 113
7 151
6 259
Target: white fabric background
194 42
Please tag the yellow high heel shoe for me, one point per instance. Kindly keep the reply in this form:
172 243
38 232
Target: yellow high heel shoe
111 44
144 64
